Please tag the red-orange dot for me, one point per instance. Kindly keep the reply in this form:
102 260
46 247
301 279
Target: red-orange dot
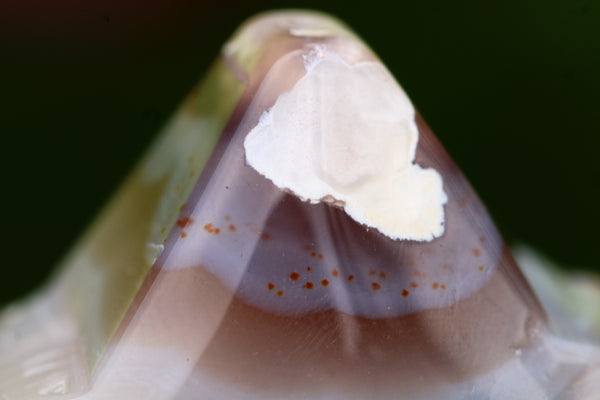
308 269
372 272
443 287
324 282
271 286
217 231
227 218
265 236
476 252
350 277
375 286
335 272
181 207
232 227
280 293
419 274
208 227
435 285
307 247
308 285
414 285
185 221
480 267
482 239
313 254
163 230
405 292
183 234
320 256
294 276
382 275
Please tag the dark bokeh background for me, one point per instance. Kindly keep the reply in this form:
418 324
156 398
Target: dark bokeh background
512 90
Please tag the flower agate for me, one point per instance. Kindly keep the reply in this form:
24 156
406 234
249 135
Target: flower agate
296 232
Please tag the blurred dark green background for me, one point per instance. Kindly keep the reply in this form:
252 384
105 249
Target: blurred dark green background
512 90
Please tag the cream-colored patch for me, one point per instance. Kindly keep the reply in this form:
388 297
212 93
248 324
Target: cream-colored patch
347 134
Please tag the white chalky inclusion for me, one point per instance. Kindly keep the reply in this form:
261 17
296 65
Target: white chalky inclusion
347 134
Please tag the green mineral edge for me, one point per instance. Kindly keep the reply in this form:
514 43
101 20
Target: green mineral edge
103 273
570 297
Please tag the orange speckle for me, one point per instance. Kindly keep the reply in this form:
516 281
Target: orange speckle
324 282
183 234
435 285
313 254
480 267
308 285
482 239
443 287
211 229
280 293
448 267
414 285
265 236
382 275
227 218
232 227
351 277
320 256
271 286
419 274
476 252
294 276
405 292
375 286
307 247
372 272
163 230
335 272
308 269
181 207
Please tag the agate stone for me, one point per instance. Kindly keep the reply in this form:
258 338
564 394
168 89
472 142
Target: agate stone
297 231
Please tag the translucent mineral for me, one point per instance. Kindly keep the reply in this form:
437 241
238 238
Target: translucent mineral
298 232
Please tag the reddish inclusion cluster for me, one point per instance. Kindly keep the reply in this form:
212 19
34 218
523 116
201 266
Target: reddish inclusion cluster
335 273
182 223
212 229
231 226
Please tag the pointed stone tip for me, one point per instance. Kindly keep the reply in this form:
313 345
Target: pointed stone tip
251 277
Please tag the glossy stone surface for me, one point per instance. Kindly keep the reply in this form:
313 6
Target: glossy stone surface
202 279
